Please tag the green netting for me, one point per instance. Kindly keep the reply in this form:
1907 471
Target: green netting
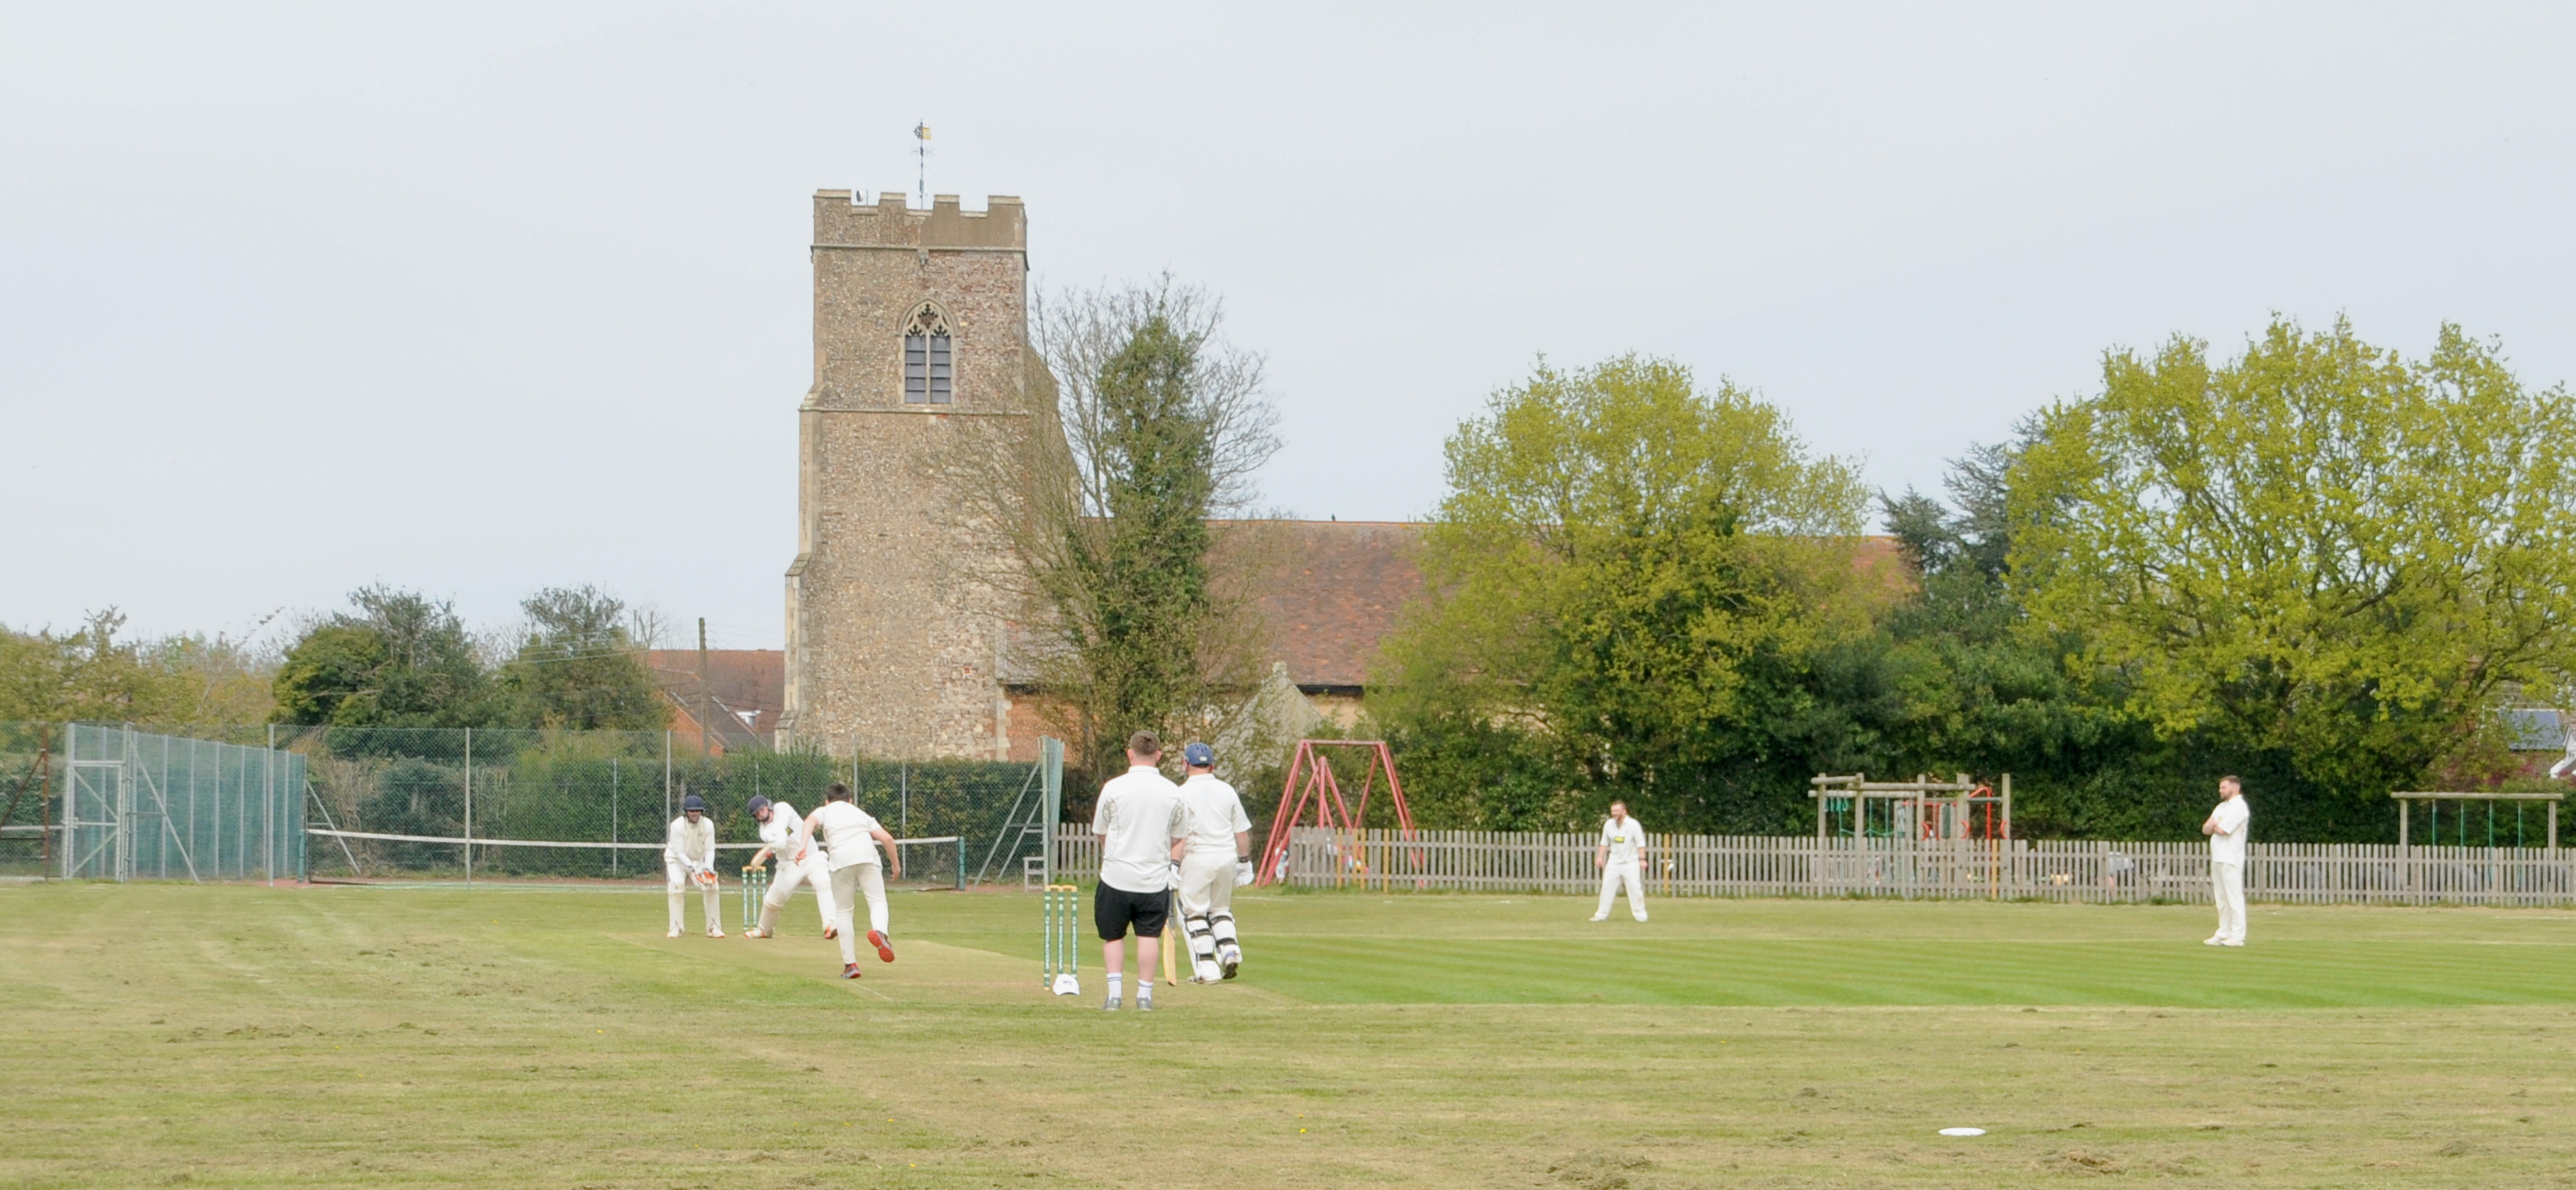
612 787
89 802
239 804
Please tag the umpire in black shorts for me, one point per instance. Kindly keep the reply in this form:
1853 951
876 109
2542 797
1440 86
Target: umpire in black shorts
1142 826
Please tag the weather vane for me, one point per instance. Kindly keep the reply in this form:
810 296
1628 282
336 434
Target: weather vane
921 153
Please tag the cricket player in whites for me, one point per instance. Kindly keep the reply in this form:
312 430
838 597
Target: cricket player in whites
1622 860
850 837
2226 827
786 836
689 857
1214 860
1141 825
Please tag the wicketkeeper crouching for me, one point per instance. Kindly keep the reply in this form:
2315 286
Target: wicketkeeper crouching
689 857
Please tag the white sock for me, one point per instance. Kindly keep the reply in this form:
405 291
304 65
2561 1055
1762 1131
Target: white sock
1114 978
1144 988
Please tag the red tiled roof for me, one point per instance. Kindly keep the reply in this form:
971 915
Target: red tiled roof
753 680
1335 594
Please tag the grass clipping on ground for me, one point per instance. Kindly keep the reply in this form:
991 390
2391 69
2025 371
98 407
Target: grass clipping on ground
527 1037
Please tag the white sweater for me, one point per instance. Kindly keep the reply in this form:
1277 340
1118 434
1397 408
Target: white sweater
691 845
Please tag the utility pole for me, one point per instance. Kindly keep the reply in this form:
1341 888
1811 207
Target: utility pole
706 694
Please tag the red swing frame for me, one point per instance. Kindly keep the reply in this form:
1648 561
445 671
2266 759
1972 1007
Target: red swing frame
1311 783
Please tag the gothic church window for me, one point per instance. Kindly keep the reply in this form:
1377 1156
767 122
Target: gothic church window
927 367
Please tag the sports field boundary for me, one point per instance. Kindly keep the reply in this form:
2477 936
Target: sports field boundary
1805 866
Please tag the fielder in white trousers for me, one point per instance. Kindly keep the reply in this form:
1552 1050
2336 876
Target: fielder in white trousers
2227 827
1622 858
846 886
2227 884
1616 876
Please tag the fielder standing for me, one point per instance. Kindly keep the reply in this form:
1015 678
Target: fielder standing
2226 828
850 837
1216 858
786 836
689 857
1622 860
1141 825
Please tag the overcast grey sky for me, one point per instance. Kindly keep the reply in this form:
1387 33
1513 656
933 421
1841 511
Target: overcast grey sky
483 298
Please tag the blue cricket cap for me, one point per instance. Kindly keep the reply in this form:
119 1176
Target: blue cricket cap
693 802
1198 755
758 804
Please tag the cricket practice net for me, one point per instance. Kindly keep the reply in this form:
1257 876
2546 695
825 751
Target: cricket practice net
483 804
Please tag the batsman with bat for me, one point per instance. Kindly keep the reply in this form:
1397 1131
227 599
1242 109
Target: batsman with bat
783 833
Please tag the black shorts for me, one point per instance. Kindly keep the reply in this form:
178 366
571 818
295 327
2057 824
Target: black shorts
1113 909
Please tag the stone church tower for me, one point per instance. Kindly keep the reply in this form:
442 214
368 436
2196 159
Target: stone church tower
920 321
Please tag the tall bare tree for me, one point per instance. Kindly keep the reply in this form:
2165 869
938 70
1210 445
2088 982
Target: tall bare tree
1144 424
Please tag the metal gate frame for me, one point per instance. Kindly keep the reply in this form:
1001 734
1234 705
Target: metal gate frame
116 820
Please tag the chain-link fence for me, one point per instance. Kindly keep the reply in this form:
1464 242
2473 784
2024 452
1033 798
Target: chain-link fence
337 802
90 802
597 804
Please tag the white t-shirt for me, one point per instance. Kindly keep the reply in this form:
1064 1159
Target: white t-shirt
2228 845
1624 838
1140 814
1216 814
785 834
691 844
847 834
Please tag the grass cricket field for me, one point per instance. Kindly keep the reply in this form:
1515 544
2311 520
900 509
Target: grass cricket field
339 1036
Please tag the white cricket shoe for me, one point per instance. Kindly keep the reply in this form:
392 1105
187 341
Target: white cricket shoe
672 934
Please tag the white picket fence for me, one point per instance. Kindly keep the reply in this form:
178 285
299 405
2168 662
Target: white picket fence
1797 865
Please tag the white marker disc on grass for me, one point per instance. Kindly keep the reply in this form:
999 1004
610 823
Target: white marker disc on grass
1963 1132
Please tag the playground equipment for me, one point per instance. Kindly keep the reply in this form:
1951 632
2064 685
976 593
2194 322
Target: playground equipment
1311 783
1858 808
2462 827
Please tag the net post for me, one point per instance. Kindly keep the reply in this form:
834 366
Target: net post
469 807
1051 762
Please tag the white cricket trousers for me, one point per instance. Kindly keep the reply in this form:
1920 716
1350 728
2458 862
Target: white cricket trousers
847 886
1613 875
2227 885
782 886
676 883
1207 882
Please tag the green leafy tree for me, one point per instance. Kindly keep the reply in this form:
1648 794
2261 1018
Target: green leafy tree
1640 588
579 666
1981 692
402 660
93 675
2318 551
1145 424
